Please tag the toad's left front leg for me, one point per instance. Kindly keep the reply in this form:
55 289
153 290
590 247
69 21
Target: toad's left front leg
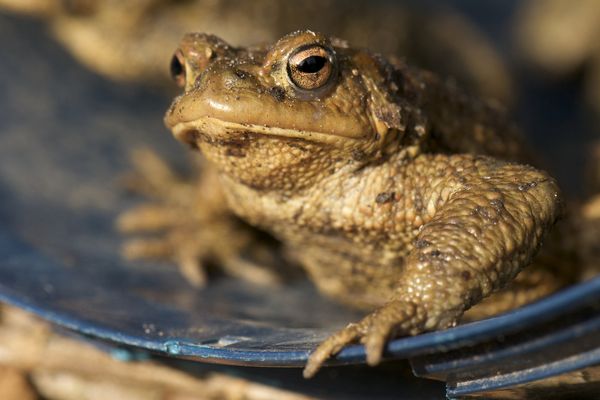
486 229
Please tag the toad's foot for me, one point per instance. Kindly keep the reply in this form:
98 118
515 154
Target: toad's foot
192 243
188 223
394 319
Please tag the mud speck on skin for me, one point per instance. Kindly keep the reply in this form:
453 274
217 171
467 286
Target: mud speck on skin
523 187
385 197
466 275
241 74
421 244
278 93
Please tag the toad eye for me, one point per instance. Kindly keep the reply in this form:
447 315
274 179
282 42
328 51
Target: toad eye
177 69
311 67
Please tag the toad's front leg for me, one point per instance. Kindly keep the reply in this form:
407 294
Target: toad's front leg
487 220
188 222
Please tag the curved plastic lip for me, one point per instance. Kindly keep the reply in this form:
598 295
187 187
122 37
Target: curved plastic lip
228 351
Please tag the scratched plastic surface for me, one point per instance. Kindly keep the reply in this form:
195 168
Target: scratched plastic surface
62 148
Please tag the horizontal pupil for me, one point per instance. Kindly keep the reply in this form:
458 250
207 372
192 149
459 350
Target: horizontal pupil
311 64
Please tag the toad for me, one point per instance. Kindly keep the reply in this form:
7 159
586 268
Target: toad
397 192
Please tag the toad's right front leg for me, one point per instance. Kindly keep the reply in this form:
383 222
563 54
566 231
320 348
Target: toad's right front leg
487 220
188 222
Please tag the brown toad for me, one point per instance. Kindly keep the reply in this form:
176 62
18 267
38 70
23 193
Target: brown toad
395 191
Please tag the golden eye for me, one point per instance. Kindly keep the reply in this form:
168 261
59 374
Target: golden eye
311 67
177 68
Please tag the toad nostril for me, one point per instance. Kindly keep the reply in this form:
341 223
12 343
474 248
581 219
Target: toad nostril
177 69
190 138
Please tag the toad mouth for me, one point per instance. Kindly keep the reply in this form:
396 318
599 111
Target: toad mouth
214 129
